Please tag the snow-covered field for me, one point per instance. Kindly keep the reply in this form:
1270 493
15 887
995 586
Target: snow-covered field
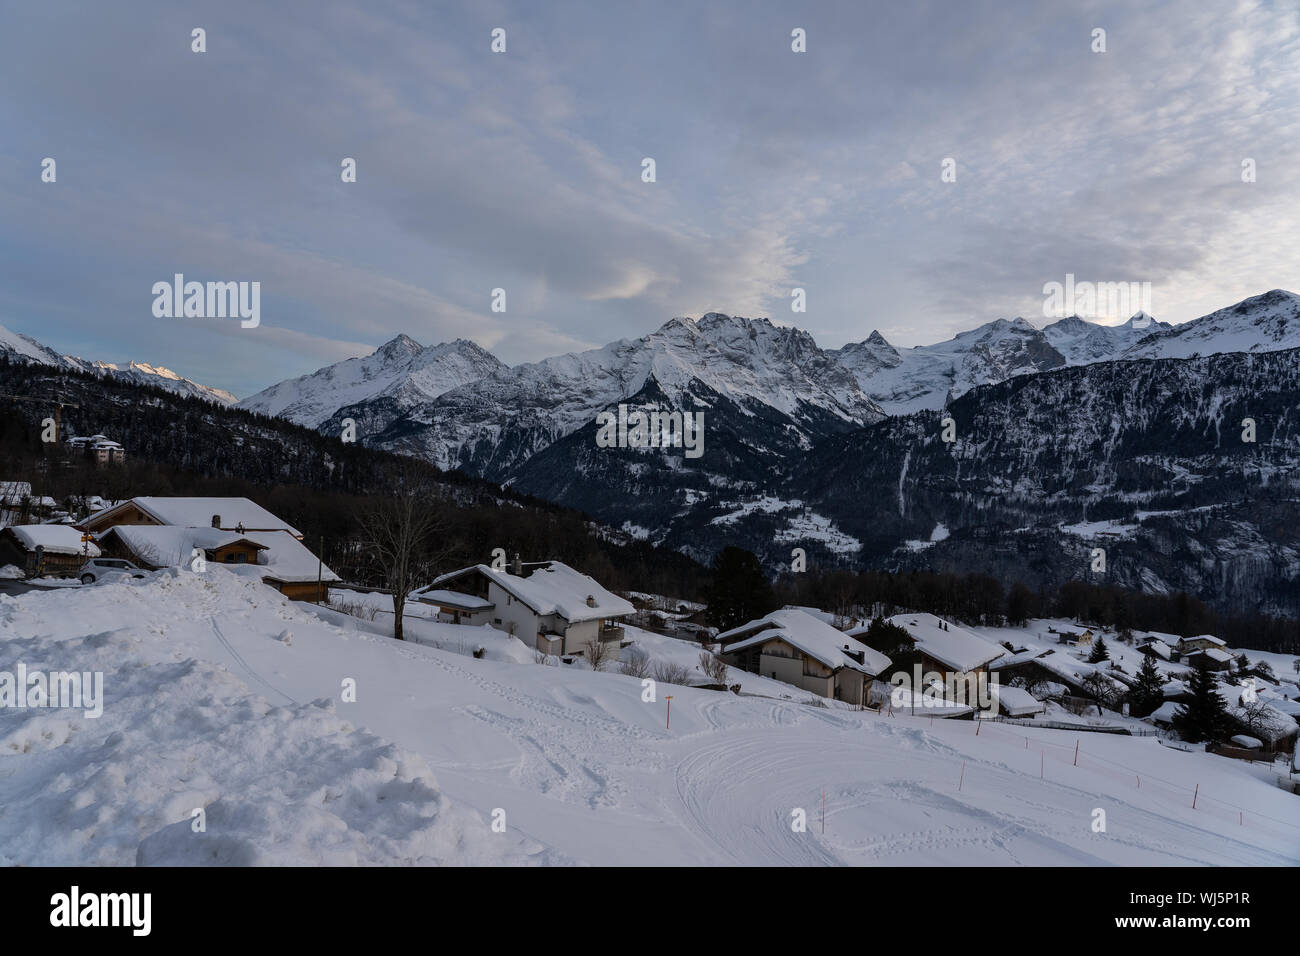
220 694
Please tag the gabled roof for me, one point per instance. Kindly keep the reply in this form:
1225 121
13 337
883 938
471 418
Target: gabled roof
1213 653
170 546
1157 647
551 587
1204 637
1017 701
810 635
949 644
198 512
53 538
287 559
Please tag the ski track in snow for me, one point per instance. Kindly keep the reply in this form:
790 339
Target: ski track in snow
587 769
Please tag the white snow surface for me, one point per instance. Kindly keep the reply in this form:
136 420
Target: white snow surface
221 694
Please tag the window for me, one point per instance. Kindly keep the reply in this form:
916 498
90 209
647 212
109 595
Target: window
241 558
229 558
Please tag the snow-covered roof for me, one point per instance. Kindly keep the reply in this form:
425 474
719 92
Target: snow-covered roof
947 643
1020 657
1245 740
198 512
456 599
288 559
551 587
54 538
826 617
1158 648
1164 714
170 546
809 634
1213 653
1016 701
1204 637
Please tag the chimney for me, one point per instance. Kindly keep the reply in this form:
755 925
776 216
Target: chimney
591 600
518 568
216 521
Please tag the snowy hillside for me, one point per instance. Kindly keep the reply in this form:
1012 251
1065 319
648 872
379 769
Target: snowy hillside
24 348
220 694
400 370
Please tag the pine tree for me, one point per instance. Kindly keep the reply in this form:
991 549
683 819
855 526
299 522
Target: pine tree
1099 652
1205 717
739 591
1148 693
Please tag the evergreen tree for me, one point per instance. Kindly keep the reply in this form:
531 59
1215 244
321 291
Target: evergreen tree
1205 717
739 591
1020 603
1147 694
1099 652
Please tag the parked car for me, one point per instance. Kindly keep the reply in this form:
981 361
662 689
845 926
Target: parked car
100 569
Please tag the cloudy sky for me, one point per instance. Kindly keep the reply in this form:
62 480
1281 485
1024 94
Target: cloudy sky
522 170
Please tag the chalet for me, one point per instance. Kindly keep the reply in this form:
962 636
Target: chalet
546 604
45 549
154 546
793 646
1214 658
1202 642
1055 675
226 514
1154 647
1017 702
233 532
944 647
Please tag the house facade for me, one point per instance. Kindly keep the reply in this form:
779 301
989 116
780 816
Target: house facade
796 648
547 604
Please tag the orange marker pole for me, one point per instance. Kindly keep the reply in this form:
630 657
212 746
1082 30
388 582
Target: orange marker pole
670 711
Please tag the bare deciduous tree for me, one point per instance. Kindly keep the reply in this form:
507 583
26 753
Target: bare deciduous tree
714 667
598 653
405 534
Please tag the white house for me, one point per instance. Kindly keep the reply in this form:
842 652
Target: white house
546 604
793 646
945 647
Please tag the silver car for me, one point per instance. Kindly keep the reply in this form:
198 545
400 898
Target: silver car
99 569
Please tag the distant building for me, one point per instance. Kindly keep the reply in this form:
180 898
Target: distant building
103 449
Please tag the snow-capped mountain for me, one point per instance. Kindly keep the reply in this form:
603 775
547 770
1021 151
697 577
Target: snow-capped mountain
927 376
778 375
1083 342
402 373
1262 323
23 348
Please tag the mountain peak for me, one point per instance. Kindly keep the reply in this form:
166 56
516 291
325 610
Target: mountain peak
875 338
399 346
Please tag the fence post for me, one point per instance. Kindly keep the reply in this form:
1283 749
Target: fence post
1076 751
963 776
1195 795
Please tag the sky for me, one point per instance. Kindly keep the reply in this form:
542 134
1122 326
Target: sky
523 170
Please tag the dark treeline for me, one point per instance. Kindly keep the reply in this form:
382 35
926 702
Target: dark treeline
186 446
